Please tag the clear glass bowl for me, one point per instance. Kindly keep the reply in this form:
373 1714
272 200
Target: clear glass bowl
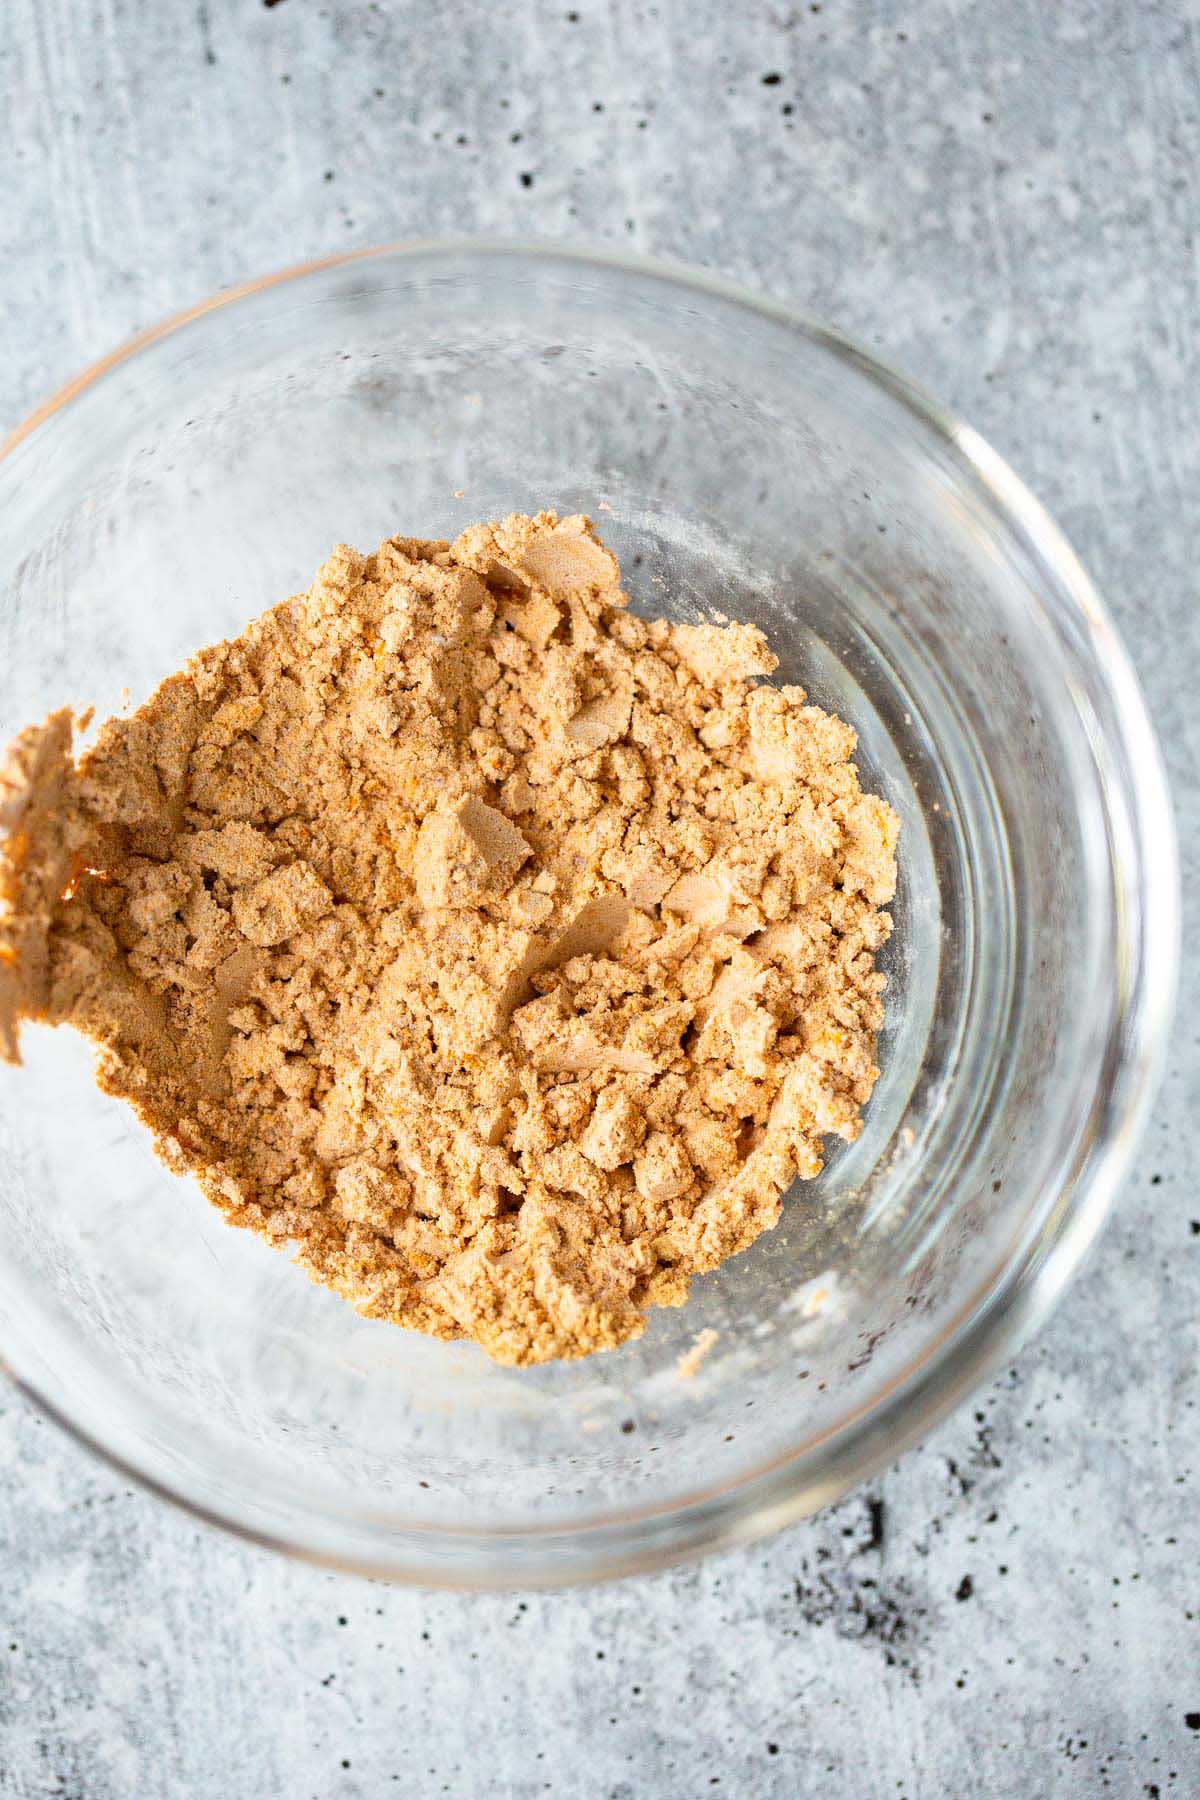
738 457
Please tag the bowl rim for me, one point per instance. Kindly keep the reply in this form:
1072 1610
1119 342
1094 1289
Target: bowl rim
1018 1293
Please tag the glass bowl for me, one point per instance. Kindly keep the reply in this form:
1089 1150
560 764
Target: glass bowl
736 457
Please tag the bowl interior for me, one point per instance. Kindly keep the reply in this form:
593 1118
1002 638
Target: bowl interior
737 463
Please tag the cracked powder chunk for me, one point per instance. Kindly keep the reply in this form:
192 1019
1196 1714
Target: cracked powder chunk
279 905
507 954
663 1170
463 851
614 1131
719 654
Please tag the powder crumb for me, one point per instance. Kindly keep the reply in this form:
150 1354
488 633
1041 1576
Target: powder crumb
505 953
689 1363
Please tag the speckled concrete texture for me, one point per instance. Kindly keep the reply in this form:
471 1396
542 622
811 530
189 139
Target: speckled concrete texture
1001 199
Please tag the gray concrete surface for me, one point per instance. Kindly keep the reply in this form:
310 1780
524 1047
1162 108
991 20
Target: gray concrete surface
1003 200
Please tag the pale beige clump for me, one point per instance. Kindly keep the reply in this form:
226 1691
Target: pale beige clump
506 953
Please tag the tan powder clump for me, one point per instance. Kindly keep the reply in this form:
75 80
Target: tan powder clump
506 953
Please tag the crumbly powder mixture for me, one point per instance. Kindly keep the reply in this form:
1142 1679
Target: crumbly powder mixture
506 954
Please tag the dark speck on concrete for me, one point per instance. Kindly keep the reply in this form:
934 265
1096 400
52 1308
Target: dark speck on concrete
526 179
773 79
867 1611
964 1482
1192 1721
965 1588
202 20
875 1510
